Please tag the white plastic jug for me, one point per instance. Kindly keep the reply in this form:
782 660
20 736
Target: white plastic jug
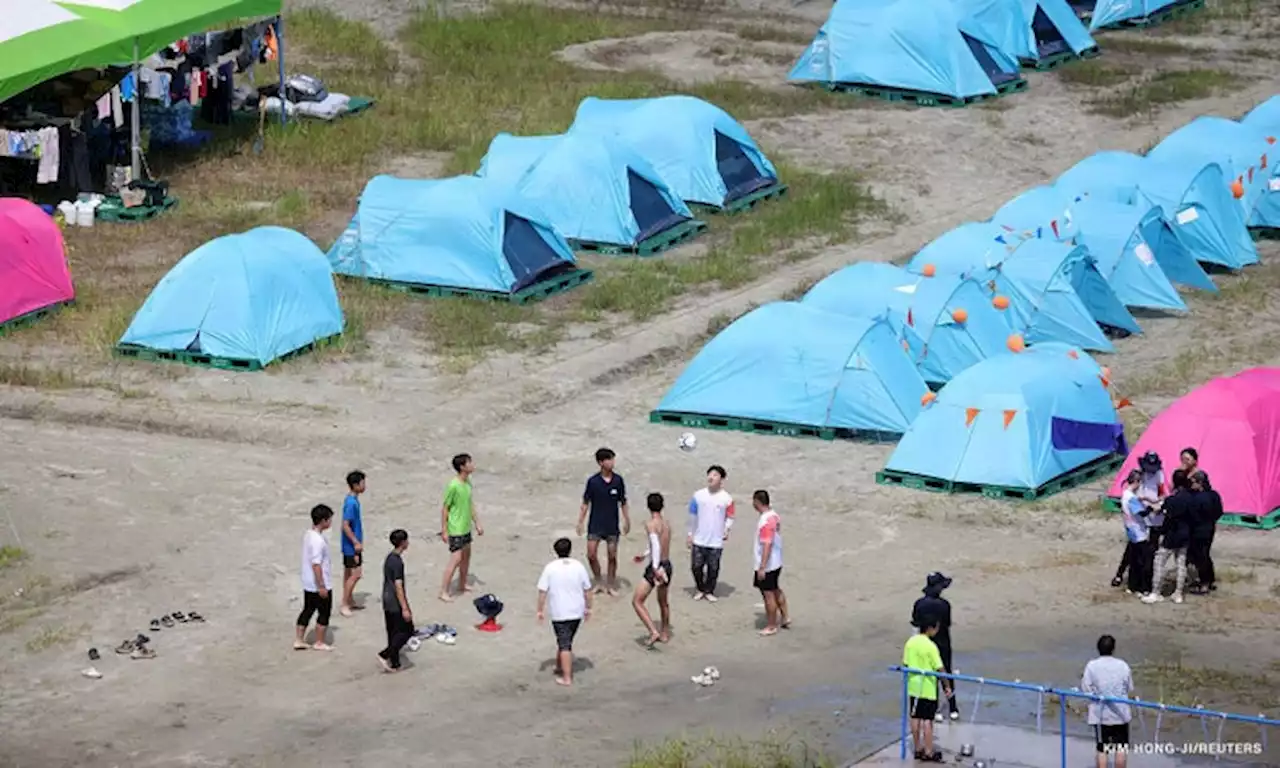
68 211
85 211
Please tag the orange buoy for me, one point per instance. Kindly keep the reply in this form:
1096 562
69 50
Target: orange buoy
959 314
928 270
927 397
1016 343
1237 188
1271 139
1000 302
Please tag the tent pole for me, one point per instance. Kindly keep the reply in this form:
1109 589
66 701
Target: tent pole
135 119
279 22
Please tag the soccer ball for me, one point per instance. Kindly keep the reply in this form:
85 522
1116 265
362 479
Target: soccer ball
688 442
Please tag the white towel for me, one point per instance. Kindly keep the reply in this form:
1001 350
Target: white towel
47 171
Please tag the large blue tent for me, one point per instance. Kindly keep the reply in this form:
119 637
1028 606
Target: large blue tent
1026 30
1055 291
947 322
787 363
592 188
1195 199
252 298
1239 150
914 45
696 147
1265 116
1118 236
1013 423
465 233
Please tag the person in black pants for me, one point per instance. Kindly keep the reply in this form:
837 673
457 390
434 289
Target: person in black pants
932 606
1208 511
395 603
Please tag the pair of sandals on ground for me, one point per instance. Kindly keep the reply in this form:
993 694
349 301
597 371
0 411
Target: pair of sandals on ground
137 648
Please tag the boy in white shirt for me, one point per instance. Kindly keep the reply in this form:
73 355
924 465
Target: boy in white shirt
317 599
564 591
768 561
710 518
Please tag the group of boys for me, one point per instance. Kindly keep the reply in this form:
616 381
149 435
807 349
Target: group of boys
565 591
1163 524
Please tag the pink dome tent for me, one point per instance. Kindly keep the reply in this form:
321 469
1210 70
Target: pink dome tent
1234 424
33 263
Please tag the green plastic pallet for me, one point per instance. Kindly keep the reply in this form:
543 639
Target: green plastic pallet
1057 60
1268 522
663 241
744 203
1076 477
536 292
30 318
923 99
200 360
1162 16
764 427
116 213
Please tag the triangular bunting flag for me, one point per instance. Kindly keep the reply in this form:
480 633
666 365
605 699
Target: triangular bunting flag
910 321
1251 174
1054 224
1006 227
1105 381
1000 239
1071 353
1008 417
1124 403
969 415
924 351
1039 232
1264 162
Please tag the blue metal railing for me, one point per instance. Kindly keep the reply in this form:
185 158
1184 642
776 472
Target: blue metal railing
1063 695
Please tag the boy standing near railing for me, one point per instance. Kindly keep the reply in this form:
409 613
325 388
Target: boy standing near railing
1111 678
921 653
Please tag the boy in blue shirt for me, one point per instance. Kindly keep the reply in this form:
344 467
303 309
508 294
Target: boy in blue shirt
352 542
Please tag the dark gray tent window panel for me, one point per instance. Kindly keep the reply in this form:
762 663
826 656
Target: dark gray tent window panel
987 62
1049 40
530 256
741 177
194 346
653 213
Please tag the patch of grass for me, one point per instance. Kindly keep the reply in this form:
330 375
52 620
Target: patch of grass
712 753
819 210
774 33
1095 73
1162 89
48 637
10 555
1230 575
38 376
1180 684
722 320
797 291
1146 46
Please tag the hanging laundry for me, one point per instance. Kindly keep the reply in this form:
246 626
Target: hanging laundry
104 106
47 170
117 108
127 87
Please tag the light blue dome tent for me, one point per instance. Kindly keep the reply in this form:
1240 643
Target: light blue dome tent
239 302
705 155
789 369
1112 14
945 322
595 190
1265 117
1196 201
1021 426
905 50
1055 291
1240 151
1038 33
1119 237
463 236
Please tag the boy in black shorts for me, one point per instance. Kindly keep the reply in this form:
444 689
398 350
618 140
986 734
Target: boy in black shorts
605 498
657 573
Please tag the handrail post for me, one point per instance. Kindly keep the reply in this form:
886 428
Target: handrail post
902 752
1062 726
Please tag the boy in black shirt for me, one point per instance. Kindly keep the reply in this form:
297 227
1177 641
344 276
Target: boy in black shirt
395 603
606 498
933 606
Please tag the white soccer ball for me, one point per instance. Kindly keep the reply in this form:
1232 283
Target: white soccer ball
688 441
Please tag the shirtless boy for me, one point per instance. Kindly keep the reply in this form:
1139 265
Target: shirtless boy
657 573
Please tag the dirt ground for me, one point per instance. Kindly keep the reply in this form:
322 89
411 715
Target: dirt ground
188 490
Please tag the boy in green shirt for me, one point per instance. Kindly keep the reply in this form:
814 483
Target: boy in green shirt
921 653
457 515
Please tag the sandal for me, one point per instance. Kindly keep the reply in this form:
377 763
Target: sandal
195 617
179 617
936 757
93 654
155 625
143 653
166 622
1117 581
128 646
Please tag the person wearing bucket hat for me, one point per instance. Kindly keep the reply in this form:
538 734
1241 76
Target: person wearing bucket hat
934 605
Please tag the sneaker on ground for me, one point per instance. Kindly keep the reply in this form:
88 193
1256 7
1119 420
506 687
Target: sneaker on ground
955 715
1177 599
711 598
1153 598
